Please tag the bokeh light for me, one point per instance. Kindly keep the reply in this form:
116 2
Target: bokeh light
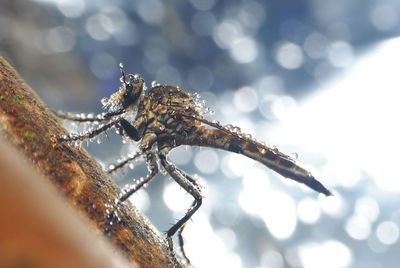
387 232
289 56
330 254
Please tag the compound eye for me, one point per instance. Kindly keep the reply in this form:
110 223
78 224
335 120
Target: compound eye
133 89
128 89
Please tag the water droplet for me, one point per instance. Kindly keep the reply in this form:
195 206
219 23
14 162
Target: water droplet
155 84
247 136
295 156
110 167
236 130
263 143
103 102
228 127
121 65
131 166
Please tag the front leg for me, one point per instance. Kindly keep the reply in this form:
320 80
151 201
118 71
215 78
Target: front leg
88 117
88 134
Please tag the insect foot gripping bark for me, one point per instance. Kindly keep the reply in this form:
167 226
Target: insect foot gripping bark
163 119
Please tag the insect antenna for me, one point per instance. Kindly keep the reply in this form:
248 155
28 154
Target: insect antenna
226 139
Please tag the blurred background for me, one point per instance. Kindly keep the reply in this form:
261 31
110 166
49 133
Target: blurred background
318 79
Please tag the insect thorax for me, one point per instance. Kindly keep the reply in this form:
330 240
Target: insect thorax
165 106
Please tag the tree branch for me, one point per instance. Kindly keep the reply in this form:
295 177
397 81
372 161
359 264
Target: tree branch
29 126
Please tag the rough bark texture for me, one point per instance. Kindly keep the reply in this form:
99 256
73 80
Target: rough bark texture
29 126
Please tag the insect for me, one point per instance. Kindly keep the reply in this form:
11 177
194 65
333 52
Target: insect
168 117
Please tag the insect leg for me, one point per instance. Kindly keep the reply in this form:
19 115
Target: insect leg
123 163
88 117
180 237
88 134
153 168
192 188
130 130
181 241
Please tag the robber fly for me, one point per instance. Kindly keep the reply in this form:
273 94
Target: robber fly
168 117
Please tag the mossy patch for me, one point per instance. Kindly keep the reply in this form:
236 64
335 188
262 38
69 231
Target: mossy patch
29 136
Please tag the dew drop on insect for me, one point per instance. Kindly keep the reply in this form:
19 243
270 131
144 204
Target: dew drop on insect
121 65
295 155
228 127
216 122
247 136
236 130
131 166
103 102
98 140
110 167
263 143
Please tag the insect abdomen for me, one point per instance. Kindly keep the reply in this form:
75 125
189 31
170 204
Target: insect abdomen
271 157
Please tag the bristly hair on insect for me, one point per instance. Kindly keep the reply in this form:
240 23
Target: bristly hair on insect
163 119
